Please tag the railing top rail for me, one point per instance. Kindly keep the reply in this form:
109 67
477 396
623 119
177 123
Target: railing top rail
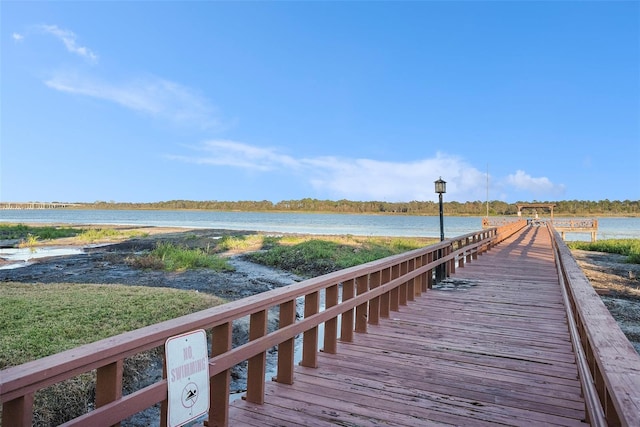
612 357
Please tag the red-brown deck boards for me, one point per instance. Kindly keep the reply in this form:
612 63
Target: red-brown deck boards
497 352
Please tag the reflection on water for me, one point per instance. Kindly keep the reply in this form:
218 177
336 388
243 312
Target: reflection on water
20 257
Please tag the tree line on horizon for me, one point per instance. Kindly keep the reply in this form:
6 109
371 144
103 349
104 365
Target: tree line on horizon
475 208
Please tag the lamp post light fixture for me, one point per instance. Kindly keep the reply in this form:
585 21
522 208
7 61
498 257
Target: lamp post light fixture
441 187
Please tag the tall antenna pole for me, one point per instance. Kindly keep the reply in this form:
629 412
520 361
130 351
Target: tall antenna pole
487 190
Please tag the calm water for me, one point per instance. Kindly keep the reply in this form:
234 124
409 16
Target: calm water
362 225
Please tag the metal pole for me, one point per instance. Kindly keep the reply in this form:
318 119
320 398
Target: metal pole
441 268
441 220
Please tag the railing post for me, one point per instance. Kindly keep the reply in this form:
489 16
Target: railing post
430 271
411 284
220 384
474 254
310 337
402 291
394 303
384 298
256 369
331 325
452 262
18 412
346 327
286 349
374 304
419 280
109 384
362 286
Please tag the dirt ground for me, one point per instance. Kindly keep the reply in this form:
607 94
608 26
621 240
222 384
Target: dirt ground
107 264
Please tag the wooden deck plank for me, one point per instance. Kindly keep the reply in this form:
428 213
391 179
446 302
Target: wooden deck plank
495 352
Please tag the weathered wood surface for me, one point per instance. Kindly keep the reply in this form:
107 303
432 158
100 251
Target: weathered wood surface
494 349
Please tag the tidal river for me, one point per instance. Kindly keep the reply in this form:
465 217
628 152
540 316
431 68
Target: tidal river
306 223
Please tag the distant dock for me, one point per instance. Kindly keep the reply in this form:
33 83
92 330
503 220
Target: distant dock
35 205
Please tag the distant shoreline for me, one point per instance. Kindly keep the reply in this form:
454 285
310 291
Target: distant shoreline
563 208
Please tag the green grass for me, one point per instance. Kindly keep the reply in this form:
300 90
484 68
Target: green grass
170 257
313 256
21 232
37 320
31 235
628 247
101 234
240 242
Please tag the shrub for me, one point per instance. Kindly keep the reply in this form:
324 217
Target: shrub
628 247
174 258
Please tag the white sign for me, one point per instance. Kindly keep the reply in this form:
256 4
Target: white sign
187 377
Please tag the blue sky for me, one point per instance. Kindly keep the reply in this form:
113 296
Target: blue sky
146 101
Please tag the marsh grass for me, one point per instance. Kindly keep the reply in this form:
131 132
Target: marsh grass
108 234
311 255
241 242
29 242
21 232
170 257
628 247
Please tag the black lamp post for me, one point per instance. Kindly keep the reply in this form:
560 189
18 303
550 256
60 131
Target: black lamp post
441 187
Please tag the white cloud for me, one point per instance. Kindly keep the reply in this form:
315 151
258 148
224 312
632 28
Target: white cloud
356 179
17 37
68 38
237 154
538 186
151 95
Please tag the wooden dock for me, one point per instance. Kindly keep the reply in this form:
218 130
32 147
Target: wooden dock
515 335
488 346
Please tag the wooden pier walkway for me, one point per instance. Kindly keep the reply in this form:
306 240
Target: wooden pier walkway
488 346
515 335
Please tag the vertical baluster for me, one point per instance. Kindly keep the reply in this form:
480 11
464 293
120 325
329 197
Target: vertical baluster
286 350
411 283
452 261
220 384
474 255
374 304
402 292
109 384
430 258
362 286
418 280
257 364
384 298
18 412
348 292
310 337
394 295
331 325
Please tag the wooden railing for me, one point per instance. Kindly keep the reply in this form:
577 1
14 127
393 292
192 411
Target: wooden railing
498 221
576 225
369 292
608 364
